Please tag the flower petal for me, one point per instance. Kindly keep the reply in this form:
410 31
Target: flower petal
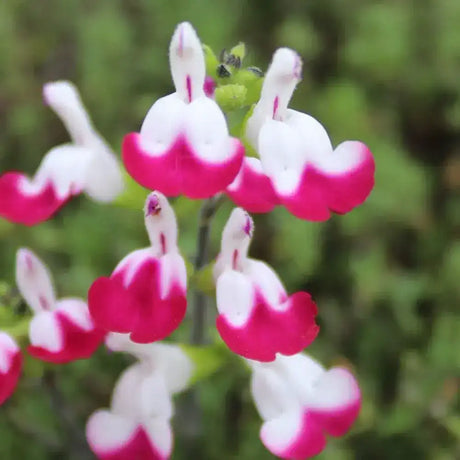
130 300
179 170
112 437
33 280
60 176
173 363
141 393
65 335
293 436
336 401
252 189
10 366
268 331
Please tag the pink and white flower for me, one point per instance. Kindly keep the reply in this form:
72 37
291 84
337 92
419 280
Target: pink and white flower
10 366
298 167
146 293
301 402
257 318
85 165
184 146
60 330
137 425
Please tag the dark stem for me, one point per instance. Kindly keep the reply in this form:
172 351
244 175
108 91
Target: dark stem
189 412
199 304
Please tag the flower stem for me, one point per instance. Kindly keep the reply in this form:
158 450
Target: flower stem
207 212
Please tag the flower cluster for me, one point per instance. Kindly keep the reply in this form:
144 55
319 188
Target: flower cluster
184 148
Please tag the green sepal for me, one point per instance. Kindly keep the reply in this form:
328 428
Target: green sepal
239 51
252 82
211 61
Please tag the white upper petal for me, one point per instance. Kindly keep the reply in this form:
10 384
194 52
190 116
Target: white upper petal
335 388
300 372
235 241
235 297
186 58
131 263
63 97
160 434
272 395
65 167
141 394
103 179
266 280
169 360
279 83
7 347
107 431
279 433
173 271
45 331
162 124
76 310
34 281
206 130
161 224
100 176
280 151
174 364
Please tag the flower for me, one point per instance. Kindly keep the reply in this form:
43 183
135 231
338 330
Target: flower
146 293
184 146
137 426
10 366
257 318
298 166
87 164
300 402
60 330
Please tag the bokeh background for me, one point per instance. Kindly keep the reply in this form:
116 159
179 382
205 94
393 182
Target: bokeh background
386 276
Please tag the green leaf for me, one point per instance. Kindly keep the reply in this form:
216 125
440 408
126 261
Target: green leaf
133 196
207 360
33 368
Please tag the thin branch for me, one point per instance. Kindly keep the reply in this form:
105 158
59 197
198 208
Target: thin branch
199 304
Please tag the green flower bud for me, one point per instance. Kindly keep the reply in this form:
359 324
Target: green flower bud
230 97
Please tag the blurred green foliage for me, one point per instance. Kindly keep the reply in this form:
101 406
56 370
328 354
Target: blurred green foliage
385 277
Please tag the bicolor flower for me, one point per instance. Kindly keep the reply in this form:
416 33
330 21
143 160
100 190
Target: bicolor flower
184 146
60 330
257 318
301 402
298 167
10 366
146 293
85 165
137 425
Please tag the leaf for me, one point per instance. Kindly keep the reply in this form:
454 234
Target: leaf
207 360
133 196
